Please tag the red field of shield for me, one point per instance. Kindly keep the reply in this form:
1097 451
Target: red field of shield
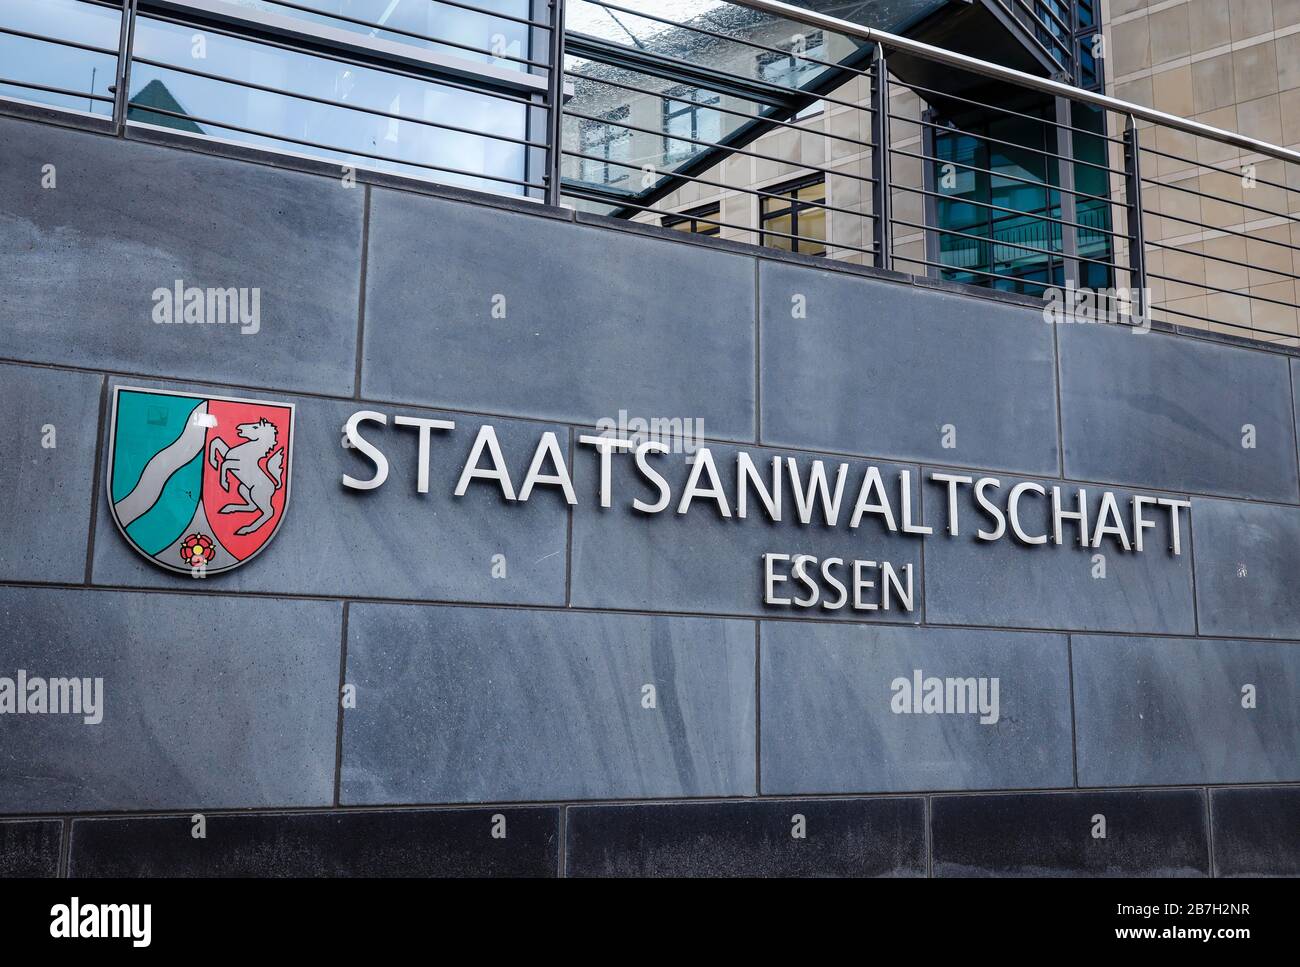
229 417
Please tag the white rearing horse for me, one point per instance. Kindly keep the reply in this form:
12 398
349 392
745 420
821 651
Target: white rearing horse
244 463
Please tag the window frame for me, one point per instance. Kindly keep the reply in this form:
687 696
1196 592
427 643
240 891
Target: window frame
692 107
707 214
615 133
795 206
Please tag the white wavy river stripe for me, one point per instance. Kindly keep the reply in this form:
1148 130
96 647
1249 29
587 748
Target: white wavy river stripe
160 469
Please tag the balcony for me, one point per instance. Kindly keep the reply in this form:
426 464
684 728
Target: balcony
829 131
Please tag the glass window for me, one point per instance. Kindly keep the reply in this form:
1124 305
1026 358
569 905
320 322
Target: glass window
695 220
795 221
688 114
49 72
813 109
608 141
427 24
791 66
213 83
1002 220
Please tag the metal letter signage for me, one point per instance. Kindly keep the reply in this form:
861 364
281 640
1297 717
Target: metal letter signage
199 484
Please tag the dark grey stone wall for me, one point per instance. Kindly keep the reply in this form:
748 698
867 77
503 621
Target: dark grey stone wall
503 712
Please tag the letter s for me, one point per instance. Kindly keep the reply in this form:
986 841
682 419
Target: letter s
652 475
369 449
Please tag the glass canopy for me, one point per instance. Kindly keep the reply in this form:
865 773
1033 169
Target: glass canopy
664 88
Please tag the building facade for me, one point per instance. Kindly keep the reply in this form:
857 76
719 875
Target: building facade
586 545
1229 65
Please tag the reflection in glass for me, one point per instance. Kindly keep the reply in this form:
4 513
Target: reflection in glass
690 117
404 137
768 65
603 144
978 177
695 220
800 213
1020 244
480 37
85 74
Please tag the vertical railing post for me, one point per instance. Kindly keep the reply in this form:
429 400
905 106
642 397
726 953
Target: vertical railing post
122 82
555 104
934 188
1137 245
1068 207
881 189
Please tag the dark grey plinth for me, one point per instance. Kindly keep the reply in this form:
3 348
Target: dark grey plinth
1158 833
422 843
833 837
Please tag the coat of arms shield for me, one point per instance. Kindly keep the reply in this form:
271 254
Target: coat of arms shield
198 484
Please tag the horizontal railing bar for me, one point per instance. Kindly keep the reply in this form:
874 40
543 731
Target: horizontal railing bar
161 65
28 85
717 184
1222 201
668 173
723 110
1223 322
988 240
514 18
1010 144
226 126
1002 174
1214 167
1049 122
991 275
721 36
604 200
1214 288
784 94
409 33
1224 259
325 54
76 45
997 72
200 13
1010 211
1226 231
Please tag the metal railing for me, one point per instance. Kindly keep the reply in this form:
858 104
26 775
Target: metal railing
754 121
934 163
297 78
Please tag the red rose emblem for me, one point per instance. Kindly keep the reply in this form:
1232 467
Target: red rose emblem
197 550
